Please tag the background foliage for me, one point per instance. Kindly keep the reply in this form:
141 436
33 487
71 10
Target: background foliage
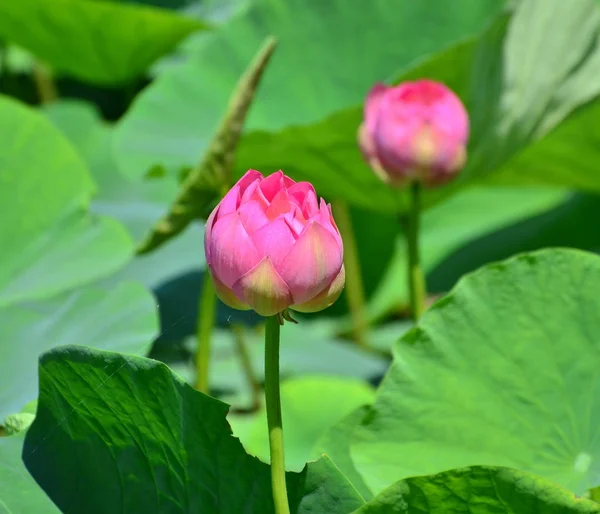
489 405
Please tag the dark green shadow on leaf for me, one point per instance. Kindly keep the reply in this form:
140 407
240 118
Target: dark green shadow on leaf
122 434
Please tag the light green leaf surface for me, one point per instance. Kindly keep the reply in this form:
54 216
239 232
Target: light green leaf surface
123 318
502 371
449 225
310 406
96 41
45 191
19 494
172 121
138 204
515 100
157 445
335 442
478 490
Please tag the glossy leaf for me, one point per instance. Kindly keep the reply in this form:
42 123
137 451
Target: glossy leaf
46 189
502 371
123 319
478 490
515 101
173 120
156 445
19 494
335 442
94 40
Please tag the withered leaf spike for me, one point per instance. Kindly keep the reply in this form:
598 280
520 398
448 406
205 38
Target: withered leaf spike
206 182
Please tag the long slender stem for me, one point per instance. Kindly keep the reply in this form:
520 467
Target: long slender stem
273 402
246 362
355 292
206 319
416 279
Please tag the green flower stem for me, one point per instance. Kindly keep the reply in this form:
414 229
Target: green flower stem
355 292
416 279
246 362
44 83
273 402
206 319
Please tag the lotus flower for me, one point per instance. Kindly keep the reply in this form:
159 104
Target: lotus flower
414 131
271 245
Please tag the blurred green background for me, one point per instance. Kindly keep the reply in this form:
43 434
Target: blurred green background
104 104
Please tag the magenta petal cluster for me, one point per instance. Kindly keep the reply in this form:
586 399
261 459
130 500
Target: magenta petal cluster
414 131
271 245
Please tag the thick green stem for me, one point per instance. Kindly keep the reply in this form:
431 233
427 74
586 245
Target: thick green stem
246 362
416 279
273 402
206 319
354 285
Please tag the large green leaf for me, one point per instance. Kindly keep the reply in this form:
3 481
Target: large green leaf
320 66
502 371
19 494
122 319
310 406
138 204
478 490
335 442
123 434
50 244
97 41
446 227
514 98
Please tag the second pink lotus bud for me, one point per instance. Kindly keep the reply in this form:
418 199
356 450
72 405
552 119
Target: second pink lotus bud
416 131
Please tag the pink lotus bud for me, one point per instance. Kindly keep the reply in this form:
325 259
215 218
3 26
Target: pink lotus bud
414 131
270 244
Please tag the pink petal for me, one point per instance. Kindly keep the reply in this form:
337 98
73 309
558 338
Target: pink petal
310 206
227 296
325 298
230 201
299 191
274 240
272 185
232 252
288 181
296 222
252 216
279 205
263 289
372 105
207 232
331 219
325 218
254 194
312 263
249 177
